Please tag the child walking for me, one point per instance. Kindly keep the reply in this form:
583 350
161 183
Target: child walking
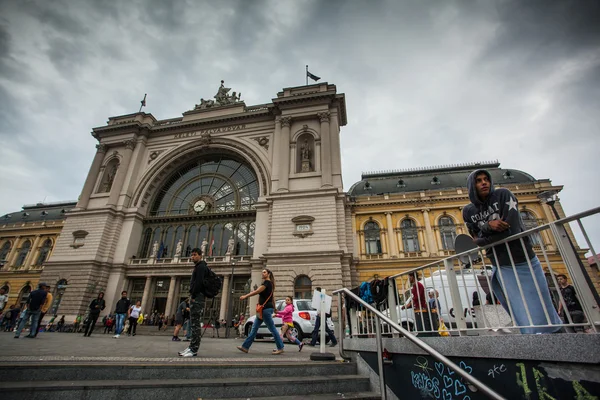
286 317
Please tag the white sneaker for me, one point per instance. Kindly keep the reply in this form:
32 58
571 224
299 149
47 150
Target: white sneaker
189 354
181 353
116 336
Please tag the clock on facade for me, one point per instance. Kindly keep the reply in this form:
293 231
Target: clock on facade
199 206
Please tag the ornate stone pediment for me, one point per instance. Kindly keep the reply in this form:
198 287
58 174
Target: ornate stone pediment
222 98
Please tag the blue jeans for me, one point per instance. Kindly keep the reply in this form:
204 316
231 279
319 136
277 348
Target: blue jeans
186 328
35 319
119 322
505 274
268 320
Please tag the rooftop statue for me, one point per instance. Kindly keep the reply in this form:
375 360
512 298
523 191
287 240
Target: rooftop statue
221 98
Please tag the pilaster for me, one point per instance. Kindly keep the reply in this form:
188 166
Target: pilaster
92 177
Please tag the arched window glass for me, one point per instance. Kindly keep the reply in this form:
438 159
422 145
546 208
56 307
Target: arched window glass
214 244
372 238
24 295
145 248
227 234
44 251
303 287
447 233
5 250
192 241
155 240
410 238
167 244
23 253
530 222
178 236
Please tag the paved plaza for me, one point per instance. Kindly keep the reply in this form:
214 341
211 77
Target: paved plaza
59 347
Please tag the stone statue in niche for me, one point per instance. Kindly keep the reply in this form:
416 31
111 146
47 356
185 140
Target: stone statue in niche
203 246
178 248
154 249
305 154
110 177
230 245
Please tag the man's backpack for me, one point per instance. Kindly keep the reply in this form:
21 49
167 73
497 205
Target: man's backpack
212 284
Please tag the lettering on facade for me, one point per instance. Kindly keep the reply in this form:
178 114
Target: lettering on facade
209 131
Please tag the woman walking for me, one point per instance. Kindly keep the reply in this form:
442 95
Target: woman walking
265 299
96 306
288 322
134 314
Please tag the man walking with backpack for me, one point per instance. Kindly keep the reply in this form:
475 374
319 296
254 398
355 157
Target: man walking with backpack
203 285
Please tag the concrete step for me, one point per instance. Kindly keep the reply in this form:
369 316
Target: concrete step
326 396
216 388
107 371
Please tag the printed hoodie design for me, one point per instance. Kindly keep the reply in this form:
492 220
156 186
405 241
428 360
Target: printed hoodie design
500 204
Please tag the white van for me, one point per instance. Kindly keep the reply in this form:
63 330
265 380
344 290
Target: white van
469 282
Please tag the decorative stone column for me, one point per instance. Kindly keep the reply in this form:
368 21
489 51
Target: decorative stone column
400 242
276 150
422 242
88 186
117 184
391 236
429 233
325 149
146 295
169 306
224 295
32 253
284 165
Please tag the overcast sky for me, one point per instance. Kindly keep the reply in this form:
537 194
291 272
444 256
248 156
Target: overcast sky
426 82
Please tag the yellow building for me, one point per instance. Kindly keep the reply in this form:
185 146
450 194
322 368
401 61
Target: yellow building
27 238
405 219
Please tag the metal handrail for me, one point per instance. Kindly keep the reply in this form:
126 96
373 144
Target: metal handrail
430 350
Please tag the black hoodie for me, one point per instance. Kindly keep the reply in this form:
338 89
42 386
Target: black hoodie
500 204
197 281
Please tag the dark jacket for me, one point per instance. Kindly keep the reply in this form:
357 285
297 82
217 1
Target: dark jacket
122 306
97 302
36 299
197 281
500 204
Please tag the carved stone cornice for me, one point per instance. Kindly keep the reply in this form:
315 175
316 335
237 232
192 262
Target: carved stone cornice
324 116
130 144
101 147
286 122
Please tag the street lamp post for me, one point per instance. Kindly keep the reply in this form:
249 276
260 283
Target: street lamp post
550 197
230 301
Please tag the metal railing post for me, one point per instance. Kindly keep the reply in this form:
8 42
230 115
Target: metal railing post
380 358
393 302
459 317
584 292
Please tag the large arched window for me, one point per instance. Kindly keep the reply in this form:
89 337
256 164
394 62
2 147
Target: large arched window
303 287
447 233
410 236
5 250
44 251
372 238
24 295
23 253
212 185
530 222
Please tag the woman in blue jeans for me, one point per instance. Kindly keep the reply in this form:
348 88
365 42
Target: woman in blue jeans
265 297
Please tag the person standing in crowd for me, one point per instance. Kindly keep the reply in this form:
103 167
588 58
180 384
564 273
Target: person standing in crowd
434 306
35 301
15 311
108 325
134 314
96 306
573 305
265 298
121 312
45 307
288 322
493 215
60 326
76 323
182 311
316 333
3 299
418 303
197 300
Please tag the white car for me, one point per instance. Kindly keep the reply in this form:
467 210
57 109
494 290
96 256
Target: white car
304 318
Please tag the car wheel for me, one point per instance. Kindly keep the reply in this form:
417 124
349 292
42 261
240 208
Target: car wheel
297 332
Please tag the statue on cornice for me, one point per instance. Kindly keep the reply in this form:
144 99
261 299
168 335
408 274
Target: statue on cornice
222 98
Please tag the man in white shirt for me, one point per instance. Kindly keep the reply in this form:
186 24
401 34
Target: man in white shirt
3 299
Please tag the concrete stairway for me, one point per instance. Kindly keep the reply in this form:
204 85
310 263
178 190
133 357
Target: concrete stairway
185 380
